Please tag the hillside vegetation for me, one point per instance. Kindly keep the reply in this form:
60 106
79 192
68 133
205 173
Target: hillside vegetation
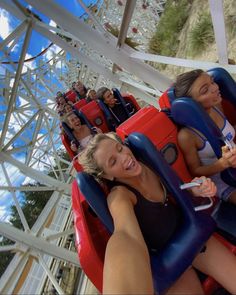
185 30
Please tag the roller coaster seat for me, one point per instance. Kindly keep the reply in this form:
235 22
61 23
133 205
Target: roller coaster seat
162 132
92 112
128 97
72 154
71 96
68 136
187 112
196 228
66 142
79 104
91 237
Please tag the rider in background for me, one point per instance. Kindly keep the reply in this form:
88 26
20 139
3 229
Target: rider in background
116 108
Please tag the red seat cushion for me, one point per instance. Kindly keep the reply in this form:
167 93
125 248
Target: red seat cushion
95 115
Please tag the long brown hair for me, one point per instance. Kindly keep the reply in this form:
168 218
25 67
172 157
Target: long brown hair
184 82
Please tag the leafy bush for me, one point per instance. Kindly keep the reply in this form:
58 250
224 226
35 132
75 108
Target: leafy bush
165 40
202 34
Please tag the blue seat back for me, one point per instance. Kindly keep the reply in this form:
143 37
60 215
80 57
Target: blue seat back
111 123
187 112
120 98
188 240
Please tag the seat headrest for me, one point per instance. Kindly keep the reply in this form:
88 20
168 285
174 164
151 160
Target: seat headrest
119 97
107 114
96 198
187 112
171 94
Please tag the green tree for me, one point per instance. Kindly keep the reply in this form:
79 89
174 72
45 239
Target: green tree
5 258
32 205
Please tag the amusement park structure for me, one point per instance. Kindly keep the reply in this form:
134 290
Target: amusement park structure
30 133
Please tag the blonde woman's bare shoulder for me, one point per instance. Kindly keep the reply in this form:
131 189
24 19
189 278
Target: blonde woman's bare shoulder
119 194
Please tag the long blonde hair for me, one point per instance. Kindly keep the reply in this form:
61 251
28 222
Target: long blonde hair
86 157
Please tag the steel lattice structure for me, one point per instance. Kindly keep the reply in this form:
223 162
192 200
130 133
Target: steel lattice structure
30 134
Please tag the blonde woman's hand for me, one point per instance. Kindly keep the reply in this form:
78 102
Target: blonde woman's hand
206 189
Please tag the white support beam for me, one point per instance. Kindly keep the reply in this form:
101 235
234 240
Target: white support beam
104 45
17 204
16 33
27 188
16 82
38 176
217 16
50 275
7 248
9 6
41 28
61 234
12 273
92 17
34 138
27 124
38 244
182 62
140 86
53 147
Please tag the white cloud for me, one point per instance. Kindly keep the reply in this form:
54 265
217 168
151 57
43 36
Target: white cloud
4 214
51 52
23 102
5 28
52 23
31 64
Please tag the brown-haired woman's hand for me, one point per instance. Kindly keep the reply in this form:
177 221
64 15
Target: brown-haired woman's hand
229 156
207 187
